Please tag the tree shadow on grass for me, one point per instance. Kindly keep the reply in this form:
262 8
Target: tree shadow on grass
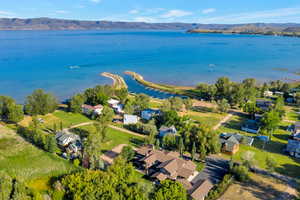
202 109
136 142
290 170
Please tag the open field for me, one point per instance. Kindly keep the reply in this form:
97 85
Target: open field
24 161
114 138
286 165
207 118
259 188
66 118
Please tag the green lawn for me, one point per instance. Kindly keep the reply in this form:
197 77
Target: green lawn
115 137
27 163
291 113
207 118
286 165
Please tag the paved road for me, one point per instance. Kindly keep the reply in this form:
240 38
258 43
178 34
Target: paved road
214 170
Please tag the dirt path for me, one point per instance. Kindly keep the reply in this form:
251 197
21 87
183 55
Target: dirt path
109 156
111 126
223 121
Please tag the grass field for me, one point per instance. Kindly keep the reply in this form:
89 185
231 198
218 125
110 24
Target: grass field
206 117
291 113
286 165
259 188
67 118
24 161
115 137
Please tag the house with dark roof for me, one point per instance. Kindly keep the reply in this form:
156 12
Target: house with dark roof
296 128
293 148
231 142
250 126
162 165
164 130
264 105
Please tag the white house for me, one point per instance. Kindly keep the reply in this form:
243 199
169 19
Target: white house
89 110
115 104
130 119
163 131
148 114
65 138
268 93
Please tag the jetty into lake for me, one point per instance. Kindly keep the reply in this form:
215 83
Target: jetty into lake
172 89
118 81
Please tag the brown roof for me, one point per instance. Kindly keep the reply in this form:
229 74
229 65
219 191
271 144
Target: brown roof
201 189
92 107
186 184
160 176
144 150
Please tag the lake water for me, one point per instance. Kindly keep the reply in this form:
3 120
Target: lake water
66 62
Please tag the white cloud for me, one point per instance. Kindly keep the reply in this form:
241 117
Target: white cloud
208 10
275 15
144 19
6 14
176 13
134 11
96 1
62 12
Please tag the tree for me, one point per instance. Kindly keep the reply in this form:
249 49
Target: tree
20 191
223 88
180 146
101 131
250 107
193 151
223 105
240 172
250 91
271 164
165 106
106 116
157 144
76 102
279 106
176 103
270 122
129 106
169 142
127 153
188 103
122 94
141 102
9 110
297 97
170 190
92 149
51 145
40 103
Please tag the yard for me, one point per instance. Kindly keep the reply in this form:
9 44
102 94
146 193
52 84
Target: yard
259 188
205 117
286 165
292 113
24 161
114 137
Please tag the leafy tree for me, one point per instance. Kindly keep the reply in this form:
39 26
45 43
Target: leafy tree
157 144
188 103
106 116
250 91
250 107
270 122
129 106
168 118
101 131
180 146
169 142
241 173
237 96
170 190
76 162
40 103
223 106
193 151
51 145
223 88
206 91
166 106
76 103
98 95
122 94
142 101
127 153
297 97
92 149
279 106
271 164
9 110
176 103
20 192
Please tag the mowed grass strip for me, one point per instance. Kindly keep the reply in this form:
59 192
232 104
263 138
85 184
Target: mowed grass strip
206 118
115 137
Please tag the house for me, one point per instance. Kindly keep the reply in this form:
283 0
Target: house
293 148
268 93
296 136
264 105
65 138
231 142
296 128
201 189
130 119
148 114
164 130
162 165
116 106
92 110
250 126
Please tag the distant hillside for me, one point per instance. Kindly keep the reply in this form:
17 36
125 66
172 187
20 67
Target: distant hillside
292 30
61 24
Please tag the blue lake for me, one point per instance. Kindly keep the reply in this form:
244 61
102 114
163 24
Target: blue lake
66 62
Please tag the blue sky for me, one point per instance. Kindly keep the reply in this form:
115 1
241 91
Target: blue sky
197 11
